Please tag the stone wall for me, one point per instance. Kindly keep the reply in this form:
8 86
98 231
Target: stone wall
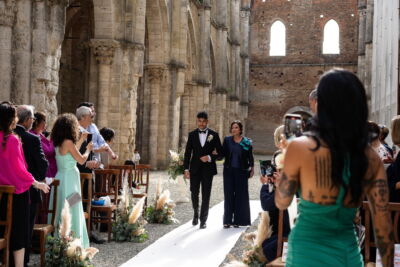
379 57
280 83
148 66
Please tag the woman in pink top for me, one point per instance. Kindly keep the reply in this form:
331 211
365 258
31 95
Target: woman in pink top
38 127
14 172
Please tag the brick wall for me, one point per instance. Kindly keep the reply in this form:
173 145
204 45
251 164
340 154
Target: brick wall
278 84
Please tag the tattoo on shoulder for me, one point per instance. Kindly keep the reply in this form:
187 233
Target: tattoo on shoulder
323 170
287 187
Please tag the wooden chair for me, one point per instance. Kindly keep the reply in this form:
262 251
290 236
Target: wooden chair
142 179
87 179
125 169
8 193
42 230
394 209
104 186
281 239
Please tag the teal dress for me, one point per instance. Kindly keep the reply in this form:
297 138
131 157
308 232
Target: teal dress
324 235
69 177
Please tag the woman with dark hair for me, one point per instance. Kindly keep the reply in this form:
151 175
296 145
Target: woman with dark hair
374 133
238 168
108 134
65 136
333 170
14 172
38 128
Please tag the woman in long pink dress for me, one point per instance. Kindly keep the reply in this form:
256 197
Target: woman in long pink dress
14 172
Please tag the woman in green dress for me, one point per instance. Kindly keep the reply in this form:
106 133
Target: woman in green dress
333 169
65 138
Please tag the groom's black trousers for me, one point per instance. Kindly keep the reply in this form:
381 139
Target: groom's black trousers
204 179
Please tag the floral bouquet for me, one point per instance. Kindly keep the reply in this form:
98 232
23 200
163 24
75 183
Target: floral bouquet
162 211
129 224
176 167
66 250
254 256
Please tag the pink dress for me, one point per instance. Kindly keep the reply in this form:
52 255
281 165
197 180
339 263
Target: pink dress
14 170
50 153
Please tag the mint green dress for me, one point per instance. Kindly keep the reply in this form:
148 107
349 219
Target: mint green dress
69 177
324 236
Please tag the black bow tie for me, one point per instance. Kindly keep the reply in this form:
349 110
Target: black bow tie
202 132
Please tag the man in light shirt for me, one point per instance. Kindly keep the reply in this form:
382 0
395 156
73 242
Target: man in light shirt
99 144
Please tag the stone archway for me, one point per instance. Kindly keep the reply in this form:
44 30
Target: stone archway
75 61
304 111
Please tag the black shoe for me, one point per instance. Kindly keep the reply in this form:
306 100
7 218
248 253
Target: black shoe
226 226
203 225
195 220
95 239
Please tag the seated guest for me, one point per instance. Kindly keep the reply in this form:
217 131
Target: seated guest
65 136
382 137
374 132
38 127
108 134
393 171
14 172
35 158
267 197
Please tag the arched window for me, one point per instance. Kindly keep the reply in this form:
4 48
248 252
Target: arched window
277 46
331 43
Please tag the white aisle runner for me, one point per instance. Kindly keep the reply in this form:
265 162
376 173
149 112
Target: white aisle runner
189 246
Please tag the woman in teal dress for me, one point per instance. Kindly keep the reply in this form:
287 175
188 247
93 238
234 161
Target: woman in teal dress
333 168
65 138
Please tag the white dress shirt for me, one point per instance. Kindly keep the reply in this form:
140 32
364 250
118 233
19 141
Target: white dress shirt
203 138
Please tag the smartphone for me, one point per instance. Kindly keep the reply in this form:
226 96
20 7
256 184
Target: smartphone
89 138
266 168
293 126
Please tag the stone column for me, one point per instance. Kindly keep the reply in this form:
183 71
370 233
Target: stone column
22 44
7 14
103 50
154 77
244 55
185 119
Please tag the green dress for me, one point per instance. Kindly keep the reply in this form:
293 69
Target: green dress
324 235
69 177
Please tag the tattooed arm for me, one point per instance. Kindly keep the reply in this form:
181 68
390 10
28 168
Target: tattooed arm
378 196
287 184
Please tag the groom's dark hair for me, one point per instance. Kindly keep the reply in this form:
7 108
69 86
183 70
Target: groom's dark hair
202 115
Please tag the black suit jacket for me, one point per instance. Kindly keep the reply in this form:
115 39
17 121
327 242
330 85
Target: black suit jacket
35 158
194 151
82 150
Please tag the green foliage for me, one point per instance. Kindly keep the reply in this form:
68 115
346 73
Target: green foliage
123 231
176 167
163 216
56 254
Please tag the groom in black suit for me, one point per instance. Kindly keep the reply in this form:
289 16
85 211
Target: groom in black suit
202 149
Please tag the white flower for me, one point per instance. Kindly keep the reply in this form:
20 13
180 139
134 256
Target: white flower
210 137
174 156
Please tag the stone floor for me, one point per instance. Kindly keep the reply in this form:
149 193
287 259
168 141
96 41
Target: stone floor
114 254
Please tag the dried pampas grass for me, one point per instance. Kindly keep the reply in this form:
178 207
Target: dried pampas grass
65 227
73 247
136 211
158 188
124 197
89 253
264 229
163 199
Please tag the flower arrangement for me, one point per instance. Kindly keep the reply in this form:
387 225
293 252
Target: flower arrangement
162 210
129 224
176 167
65 249
253 256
